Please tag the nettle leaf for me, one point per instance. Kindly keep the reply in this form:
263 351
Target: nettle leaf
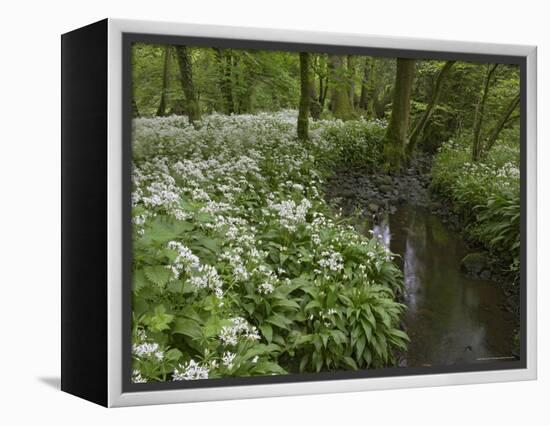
163 229
209 243
159 274
139 280
159 320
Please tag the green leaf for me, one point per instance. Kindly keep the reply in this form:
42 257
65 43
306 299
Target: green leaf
159 274
187 327
360 345
267 332
312 304
159 320
173 354
351 362
287 303
279 321
138 280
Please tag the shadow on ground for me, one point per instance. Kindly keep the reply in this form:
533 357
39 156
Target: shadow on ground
54 382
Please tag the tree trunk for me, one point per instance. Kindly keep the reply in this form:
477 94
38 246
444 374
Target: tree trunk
161 111
339 99
186 79
364 98
395 139
493 134
351 81
436 92
315 108
223 57
371 94
478 120
303 111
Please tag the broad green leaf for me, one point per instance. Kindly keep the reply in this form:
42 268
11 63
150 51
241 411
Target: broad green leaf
159 274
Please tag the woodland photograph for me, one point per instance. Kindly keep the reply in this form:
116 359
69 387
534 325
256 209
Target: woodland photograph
306 212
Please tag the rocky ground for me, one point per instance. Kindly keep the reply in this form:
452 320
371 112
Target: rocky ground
358 192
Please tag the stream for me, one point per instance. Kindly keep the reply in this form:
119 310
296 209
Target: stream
451 318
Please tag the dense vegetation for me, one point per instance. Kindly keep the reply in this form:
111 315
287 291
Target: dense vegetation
239 265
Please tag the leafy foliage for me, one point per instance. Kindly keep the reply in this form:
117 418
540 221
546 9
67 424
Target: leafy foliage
239 267
485 194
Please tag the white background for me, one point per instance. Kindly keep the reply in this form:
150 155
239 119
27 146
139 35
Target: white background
30 210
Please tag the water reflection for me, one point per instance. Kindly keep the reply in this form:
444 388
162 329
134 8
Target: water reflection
450 318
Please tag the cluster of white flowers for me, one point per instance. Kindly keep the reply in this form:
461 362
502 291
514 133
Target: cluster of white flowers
147 349
331 260
137 377
290 214
229 335
228 358
185 260
265 288
191 370
208 278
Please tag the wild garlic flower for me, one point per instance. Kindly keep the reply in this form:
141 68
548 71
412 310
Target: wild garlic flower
190 371
229 335
331 260
137 377
147 349
228 358
185 261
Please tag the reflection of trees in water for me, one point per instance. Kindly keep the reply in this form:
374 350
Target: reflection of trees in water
451 318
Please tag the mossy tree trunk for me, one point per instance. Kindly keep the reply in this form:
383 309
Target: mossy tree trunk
305 91
161 111
371 92
339 96
436 93
224 60
395 139
364 97
186 79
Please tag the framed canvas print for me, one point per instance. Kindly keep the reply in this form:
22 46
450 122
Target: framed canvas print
251 212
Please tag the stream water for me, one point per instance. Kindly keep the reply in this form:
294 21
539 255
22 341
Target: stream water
451 318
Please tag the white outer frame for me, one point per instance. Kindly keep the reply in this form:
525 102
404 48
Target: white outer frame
118 398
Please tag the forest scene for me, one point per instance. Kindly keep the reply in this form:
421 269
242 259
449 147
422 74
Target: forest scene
299 212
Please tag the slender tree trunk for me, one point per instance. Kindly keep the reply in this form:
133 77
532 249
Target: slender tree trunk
161 111
395 139
480 109
436 93
303 111
371 94
351 81
364 98
315 108
493 134
186 78
223 57
339 102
